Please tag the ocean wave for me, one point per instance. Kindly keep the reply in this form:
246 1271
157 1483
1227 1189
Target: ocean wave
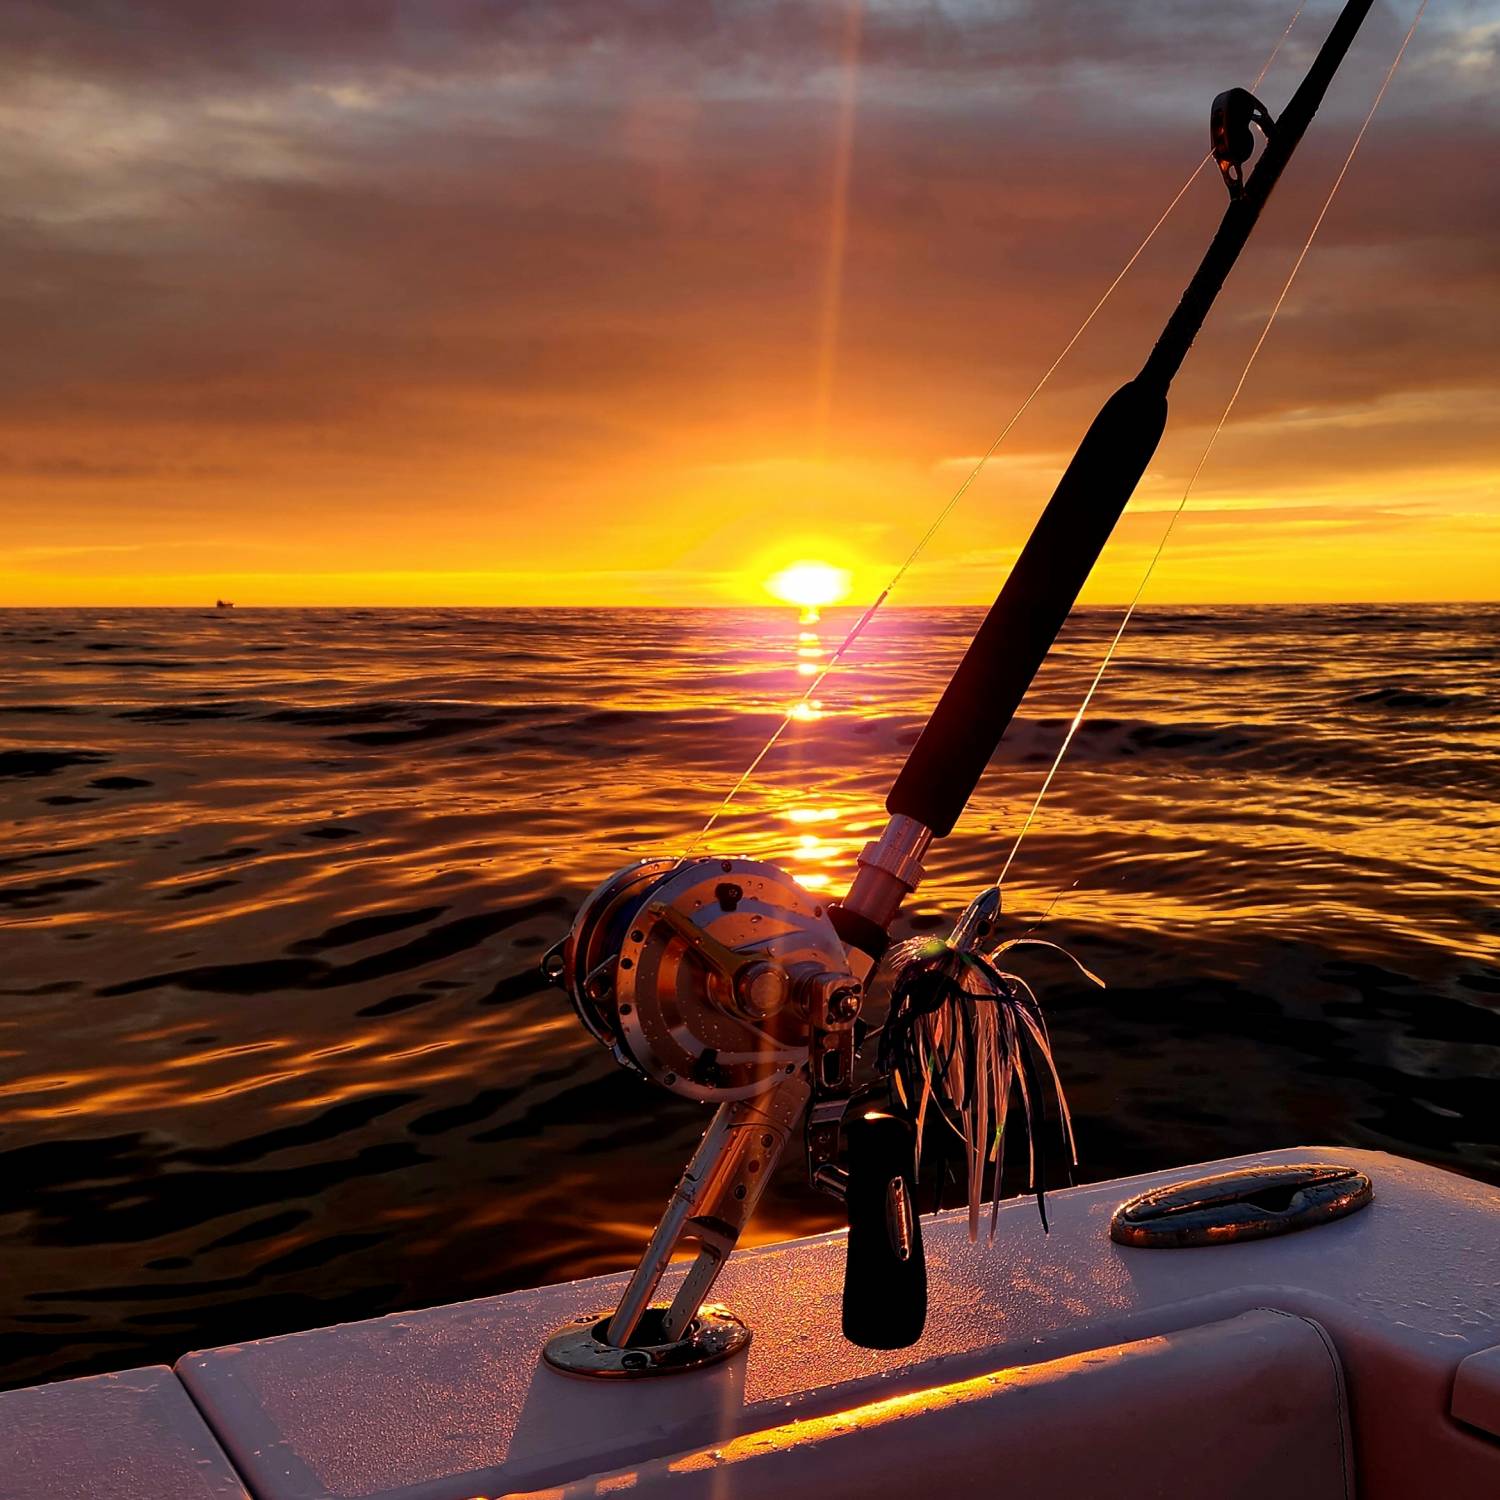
274 917
1406 698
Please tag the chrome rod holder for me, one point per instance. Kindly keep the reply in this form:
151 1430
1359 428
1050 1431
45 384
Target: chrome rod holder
711 1204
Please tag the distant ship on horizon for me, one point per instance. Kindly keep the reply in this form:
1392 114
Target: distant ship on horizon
223 603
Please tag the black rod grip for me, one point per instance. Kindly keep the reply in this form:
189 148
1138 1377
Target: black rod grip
885 1276
976 708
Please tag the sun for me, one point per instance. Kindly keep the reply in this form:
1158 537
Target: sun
810 585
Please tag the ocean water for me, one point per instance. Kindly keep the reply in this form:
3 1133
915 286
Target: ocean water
274 1051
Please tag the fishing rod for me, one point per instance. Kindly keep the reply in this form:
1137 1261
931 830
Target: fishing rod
724 981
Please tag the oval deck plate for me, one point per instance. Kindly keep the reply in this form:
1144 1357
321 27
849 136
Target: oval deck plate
1252 1204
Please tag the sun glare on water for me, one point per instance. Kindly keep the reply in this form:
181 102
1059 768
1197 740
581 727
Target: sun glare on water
811 586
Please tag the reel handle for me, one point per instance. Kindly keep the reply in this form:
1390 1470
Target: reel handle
885 1276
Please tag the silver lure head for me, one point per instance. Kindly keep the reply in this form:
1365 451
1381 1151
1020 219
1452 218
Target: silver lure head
979 923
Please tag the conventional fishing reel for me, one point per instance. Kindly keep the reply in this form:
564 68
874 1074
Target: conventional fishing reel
725 981
706 975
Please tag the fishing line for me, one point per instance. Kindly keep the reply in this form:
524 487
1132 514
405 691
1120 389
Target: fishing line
1260 77
799 707
1088 697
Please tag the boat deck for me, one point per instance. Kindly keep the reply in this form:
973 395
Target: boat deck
453 1402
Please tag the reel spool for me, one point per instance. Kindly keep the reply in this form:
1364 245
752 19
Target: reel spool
702 974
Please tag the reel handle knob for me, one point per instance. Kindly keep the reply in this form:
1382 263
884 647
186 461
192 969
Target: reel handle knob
885 1276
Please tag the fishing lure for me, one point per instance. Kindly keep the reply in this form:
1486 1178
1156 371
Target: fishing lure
967 1040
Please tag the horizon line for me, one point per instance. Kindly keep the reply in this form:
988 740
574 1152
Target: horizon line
772 607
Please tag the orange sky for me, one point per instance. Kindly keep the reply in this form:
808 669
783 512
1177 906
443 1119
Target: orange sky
600 303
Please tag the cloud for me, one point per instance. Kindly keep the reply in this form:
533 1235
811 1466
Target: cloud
305 261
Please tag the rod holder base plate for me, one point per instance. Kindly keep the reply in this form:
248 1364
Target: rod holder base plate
580 1348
